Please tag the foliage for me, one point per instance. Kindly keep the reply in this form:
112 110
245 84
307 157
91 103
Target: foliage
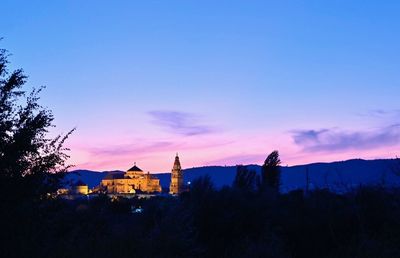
29 160
223 222
270 173
245 179
233 221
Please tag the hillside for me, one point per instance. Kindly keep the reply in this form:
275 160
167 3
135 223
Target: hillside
338 175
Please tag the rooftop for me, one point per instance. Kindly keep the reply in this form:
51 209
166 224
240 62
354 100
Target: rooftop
135 168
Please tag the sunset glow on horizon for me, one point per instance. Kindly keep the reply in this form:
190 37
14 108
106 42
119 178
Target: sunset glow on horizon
219 83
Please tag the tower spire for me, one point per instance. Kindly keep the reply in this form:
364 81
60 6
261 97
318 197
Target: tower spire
176 186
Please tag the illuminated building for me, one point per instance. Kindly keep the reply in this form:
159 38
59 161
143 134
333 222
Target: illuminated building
130 182
80 188
176 186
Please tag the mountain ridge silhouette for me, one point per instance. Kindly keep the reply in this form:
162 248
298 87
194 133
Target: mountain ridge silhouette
337 175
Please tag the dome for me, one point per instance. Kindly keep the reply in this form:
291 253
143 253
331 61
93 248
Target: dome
135 169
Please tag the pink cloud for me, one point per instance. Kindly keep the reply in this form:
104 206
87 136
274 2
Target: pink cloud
156 154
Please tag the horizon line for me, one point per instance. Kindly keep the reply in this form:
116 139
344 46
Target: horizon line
296 165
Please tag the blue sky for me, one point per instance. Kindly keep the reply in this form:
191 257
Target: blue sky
222 82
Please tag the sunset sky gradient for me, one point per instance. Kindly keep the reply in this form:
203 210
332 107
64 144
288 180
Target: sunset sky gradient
220 82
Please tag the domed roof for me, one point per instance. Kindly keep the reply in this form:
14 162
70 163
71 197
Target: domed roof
135 169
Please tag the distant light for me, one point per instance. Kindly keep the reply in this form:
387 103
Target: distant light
189 183
137 210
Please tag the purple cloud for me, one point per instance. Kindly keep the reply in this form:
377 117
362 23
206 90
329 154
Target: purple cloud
381 113
179 122
132 149
337 140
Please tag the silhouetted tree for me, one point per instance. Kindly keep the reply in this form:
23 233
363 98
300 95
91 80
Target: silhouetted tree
201 187
271 173
245 179
28 158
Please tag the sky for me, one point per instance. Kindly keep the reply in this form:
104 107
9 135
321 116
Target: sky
219 82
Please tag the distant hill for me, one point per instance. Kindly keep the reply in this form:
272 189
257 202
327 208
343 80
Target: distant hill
90 177
336 175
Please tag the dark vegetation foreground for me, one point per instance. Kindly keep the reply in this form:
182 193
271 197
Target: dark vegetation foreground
205 222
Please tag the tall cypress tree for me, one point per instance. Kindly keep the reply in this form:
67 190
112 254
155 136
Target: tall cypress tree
271 173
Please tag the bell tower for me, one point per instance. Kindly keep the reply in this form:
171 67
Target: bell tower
176 186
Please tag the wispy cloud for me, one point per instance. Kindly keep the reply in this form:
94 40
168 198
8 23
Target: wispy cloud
132 149
151 154
111 157
338 140
381 113
179 122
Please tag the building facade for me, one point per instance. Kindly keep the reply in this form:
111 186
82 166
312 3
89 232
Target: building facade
132 181
80 188
176 186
